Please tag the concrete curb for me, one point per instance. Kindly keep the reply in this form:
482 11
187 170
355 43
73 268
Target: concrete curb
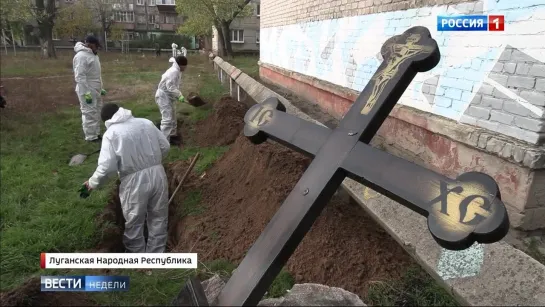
493 274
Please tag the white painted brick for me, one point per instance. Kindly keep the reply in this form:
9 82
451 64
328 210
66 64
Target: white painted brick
535 125
509 67
497 116
478 112
513 131
523 69
476 99
486 89
521 82
498 67
515 108
453 93
540 85
493 103
534 97
537 70
500 78
468 120
488 125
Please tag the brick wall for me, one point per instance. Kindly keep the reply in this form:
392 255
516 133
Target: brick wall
491 80
285 12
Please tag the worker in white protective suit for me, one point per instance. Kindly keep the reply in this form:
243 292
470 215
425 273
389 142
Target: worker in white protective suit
134 148
166 96
89 88
174 50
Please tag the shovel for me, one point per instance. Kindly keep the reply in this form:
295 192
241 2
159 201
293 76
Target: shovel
194 100
79 158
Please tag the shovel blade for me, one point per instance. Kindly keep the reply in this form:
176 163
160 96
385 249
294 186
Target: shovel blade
195 100
77 159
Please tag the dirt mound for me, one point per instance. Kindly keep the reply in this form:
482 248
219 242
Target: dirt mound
223 125
242 192
238 197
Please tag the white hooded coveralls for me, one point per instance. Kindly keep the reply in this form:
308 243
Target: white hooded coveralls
134 148
166 96
87 73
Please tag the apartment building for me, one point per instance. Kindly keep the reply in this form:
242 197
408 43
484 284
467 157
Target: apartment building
140 19
146 18
244 34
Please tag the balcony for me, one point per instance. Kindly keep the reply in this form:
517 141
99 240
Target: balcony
166 6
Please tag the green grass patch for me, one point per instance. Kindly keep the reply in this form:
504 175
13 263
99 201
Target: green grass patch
415 288
247 64
143 76
191 204
208 156
281 284
41 210
210 88
533 251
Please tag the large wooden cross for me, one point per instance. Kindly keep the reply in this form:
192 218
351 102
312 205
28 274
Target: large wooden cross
460 212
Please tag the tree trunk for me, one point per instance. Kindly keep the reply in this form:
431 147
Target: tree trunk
221 40
147 18
5 41
46 23
13 42
227 39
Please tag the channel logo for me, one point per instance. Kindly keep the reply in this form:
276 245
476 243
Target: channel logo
471 23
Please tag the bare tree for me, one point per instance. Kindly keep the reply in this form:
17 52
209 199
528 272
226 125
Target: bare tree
203 14
45 12
103 12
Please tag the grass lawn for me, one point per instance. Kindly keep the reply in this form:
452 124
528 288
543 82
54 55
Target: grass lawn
248 64
41 210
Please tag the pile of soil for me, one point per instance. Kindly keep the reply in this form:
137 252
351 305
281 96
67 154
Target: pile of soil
222 126
345 247
241 193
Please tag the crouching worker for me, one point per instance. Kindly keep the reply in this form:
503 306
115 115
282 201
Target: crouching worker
168 93
134 148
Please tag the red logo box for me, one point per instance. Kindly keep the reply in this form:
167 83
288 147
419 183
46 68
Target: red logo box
496 22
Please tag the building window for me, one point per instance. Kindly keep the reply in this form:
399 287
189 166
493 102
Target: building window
151 18
151 2
257 37
237 36
165 2
163 18
153 37
139 2
258 10
121 16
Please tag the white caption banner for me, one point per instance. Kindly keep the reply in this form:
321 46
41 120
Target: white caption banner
118 261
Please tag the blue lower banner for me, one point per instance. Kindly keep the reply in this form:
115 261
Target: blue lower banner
85 283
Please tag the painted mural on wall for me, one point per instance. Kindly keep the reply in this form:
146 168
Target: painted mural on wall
474 65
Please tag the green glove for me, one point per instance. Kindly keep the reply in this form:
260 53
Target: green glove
181 99
88 98
103 92
84 192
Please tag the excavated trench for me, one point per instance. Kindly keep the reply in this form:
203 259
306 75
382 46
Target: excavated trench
239 195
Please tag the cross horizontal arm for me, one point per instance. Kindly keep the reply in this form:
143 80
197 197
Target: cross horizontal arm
460 212
268 120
